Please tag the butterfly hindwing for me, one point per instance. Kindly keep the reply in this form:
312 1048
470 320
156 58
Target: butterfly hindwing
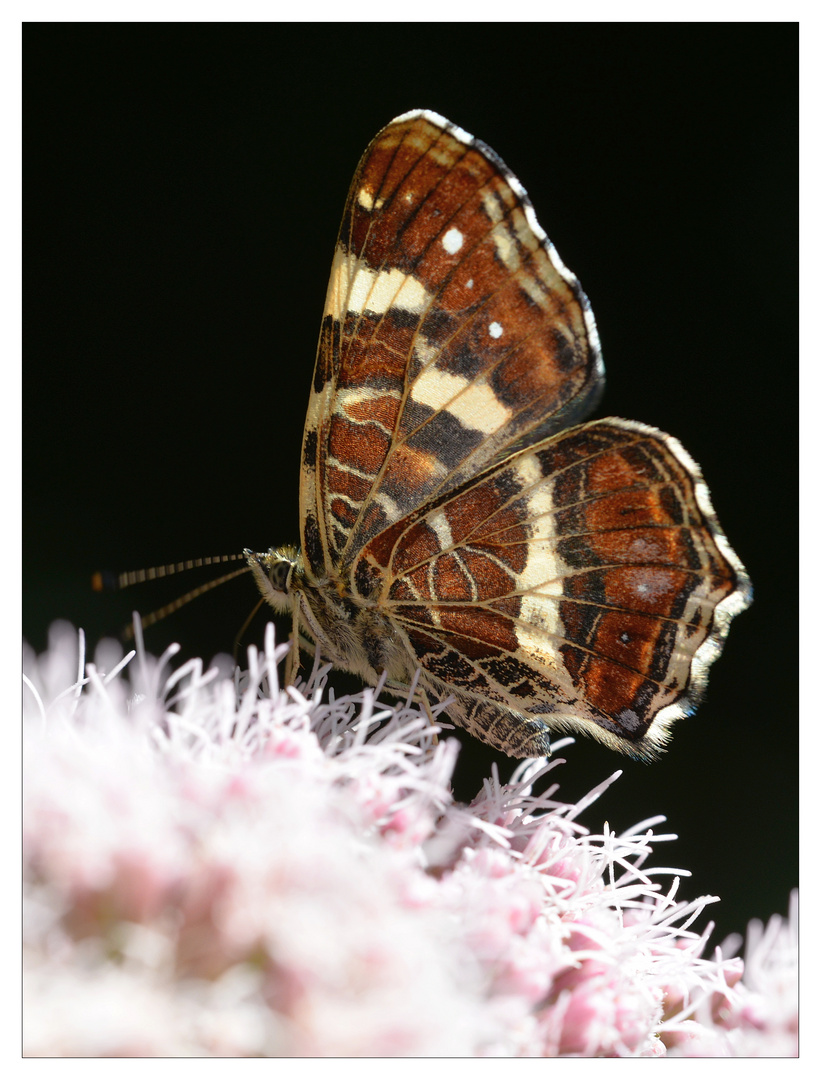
578 580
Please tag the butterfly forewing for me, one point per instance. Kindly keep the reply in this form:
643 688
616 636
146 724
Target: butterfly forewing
547 576
451 333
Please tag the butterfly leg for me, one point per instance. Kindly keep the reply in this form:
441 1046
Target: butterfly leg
303 644
292 661
425 703
415 695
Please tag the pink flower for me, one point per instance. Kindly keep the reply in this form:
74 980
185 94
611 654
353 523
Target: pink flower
216 866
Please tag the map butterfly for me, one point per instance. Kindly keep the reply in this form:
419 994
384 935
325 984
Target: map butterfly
456 517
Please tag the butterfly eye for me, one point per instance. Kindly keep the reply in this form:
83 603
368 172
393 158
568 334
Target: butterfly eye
280 575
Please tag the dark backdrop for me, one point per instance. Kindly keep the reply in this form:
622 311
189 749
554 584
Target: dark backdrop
183 187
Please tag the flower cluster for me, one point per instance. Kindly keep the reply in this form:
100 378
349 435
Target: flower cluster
218 866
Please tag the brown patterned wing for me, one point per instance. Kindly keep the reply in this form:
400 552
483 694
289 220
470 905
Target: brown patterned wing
452 335
584 584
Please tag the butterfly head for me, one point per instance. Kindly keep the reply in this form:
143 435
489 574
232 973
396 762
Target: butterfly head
273 572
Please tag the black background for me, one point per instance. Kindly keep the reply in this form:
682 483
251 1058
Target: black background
183 186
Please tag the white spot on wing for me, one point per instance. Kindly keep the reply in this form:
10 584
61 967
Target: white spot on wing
390 506
355 287
495 330
439 523
479 408
475 405
437 388
528 470
377 291
505 244
452 241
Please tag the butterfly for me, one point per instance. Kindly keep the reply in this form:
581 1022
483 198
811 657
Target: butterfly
457 518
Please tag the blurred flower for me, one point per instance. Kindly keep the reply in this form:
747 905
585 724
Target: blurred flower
217 866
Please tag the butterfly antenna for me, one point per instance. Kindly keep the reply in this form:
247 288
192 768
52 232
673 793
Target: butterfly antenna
241 632
104 579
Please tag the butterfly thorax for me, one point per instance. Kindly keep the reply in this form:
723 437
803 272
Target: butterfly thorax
347 628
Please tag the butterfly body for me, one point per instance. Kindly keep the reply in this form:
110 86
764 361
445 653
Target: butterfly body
349 630
457 517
